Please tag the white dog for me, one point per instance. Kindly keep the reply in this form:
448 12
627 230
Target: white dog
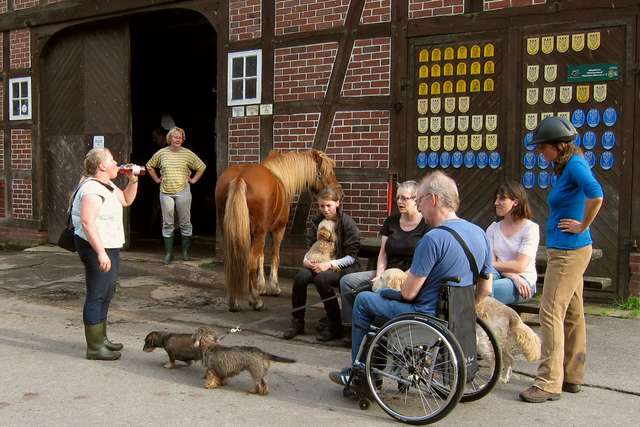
510 331
392 278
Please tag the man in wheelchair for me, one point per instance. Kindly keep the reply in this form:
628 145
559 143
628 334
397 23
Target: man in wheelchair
438 255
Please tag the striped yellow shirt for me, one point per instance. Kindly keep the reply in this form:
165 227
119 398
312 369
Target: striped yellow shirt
175 167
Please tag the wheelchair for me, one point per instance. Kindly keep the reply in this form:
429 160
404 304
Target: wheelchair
415 368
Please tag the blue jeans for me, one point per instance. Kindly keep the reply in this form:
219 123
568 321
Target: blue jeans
367 307
101 286
505 291
179 203
348 285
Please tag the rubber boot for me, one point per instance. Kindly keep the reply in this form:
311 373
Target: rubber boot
333 328
168 250
186 245
296 328
114 346
96 350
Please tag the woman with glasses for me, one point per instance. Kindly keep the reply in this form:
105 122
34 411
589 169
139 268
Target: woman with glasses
400 234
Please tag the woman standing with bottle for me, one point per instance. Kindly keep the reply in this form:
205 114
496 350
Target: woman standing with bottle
176 165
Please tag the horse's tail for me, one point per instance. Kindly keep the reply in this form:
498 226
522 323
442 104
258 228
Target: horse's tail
237 239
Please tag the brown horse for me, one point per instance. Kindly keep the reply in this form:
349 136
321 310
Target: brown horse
253 200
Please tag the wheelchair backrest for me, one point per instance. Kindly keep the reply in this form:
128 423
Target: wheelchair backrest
458 308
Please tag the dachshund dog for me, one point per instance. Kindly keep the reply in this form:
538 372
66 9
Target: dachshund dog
391 278
223 362
184 347
510 331
324 248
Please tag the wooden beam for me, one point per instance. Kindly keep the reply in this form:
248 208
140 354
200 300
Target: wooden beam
266 122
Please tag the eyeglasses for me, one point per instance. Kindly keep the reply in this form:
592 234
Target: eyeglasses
419 198
404 198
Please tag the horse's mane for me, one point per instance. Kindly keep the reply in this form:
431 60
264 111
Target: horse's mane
296 170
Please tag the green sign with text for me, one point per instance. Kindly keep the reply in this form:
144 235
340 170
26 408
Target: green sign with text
592 72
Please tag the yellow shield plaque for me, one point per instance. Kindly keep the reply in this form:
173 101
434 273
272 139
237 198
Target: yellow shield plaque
424 72
461 86
449 142
577 42
488 85
435 123
434 143
463 123
423 106
449 123
462 142
423 89
475 51
489 50
423 143
449 105
530 121
447 87
547 44
424 55
475 85
447 70
533 45
476 141
593 40
435 70
566 93
461 69
475 68
549 95
532 95
462 52
600 92
423 124
533 72
435 88
476 122
562 43
582 93
448 54
434 105
550 72
436 54
489 67
491 141
491 122
463 104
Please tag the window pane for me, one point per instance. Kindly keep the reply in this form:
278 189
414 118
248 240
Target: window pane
24 107
24 90
238 65
236 89
252 66
16 89
250 87
15 108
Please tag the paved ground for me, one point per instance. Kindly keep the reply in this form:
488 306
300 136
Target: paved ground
46 380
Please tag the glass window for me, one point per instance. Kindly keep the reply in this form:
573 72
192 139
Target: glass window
20 98
244 77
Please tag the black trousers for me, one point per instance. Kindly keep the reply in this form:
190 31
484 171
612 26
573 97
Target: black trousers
324 283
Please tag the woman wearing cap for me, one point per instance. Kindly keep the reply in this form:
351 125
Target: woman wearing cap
574 203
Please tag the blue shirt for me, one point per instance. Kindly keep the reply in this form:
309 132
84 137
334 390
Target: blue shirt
439 255
567 199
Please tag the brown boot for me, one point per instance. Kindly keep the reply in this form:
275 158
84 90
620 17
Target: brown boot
535 395
571 387
296 328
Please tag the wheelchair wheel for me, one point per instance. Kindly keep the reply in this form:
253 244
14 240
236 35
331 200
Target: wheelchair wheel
489 359
406 364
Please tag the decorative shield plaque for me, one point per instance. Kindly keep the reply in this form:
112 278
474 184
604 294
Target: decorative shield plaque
532 95
482 159
449 123
474 86
577 42
435 105
593 40
435 124
463 123
533 73
477 122
491 141
491 122
435 143
600 92
462 142
562 43
475 51
582 93
475 68
550 72
476 141
449 142
533 45
463 104
449 105
489 50
423 106
530 121
547 44
423 124
566 93
549 95
423 143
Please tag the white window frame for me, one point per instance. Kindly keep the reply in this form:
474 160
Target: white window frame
244 54
20 97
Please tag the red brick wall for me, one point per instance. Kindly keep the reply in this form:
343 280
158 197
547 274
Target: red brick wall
3 6
21 149
501 4
20 51
3 212
429 8
22 236
295 16
360 139
294 131
21 198
634 277
366 203
303 72
376 11
24 4
245 19
369 68
244 140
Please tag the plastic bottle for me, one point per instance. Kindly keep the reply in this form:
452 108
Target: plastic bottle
131 168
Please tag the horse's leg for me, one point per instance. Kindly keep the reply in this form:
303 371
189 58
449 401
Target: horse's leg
261 281
257 251
273 288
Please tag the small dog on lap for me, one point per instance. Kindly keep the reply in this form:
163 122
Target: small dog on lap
510 331
324 248
392 278
223 362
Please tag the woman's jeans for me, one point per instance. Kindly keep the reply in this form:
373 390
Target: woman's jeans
350 285
181 204
101 286
505 291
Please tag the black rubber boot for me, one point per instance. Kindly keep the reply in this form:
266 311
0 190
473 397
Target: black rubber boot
168 250
331 332
186 245
96 350
114 346
296 328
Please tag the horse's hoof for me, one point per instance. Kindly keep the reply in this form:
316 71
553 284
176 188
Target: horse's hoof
234 308
257 306
274 292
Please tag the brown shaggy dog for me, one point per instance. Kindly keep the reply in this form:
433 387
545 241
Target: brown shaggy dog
324 248
184 347
510 331
224 362
391 278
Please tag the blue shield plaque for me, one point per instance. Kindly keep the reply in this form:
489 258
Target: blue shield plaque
528 137
577 118
457 159
577 140
421 160
528 180
542 162
610 116
482 159
543 179
469 159
434 160
445 159
529 160
593 117
494 160
608 140
589 140
606 160
590 158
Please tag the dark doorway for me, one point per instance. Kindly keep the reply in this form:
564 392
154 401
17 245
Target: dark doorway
173 73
